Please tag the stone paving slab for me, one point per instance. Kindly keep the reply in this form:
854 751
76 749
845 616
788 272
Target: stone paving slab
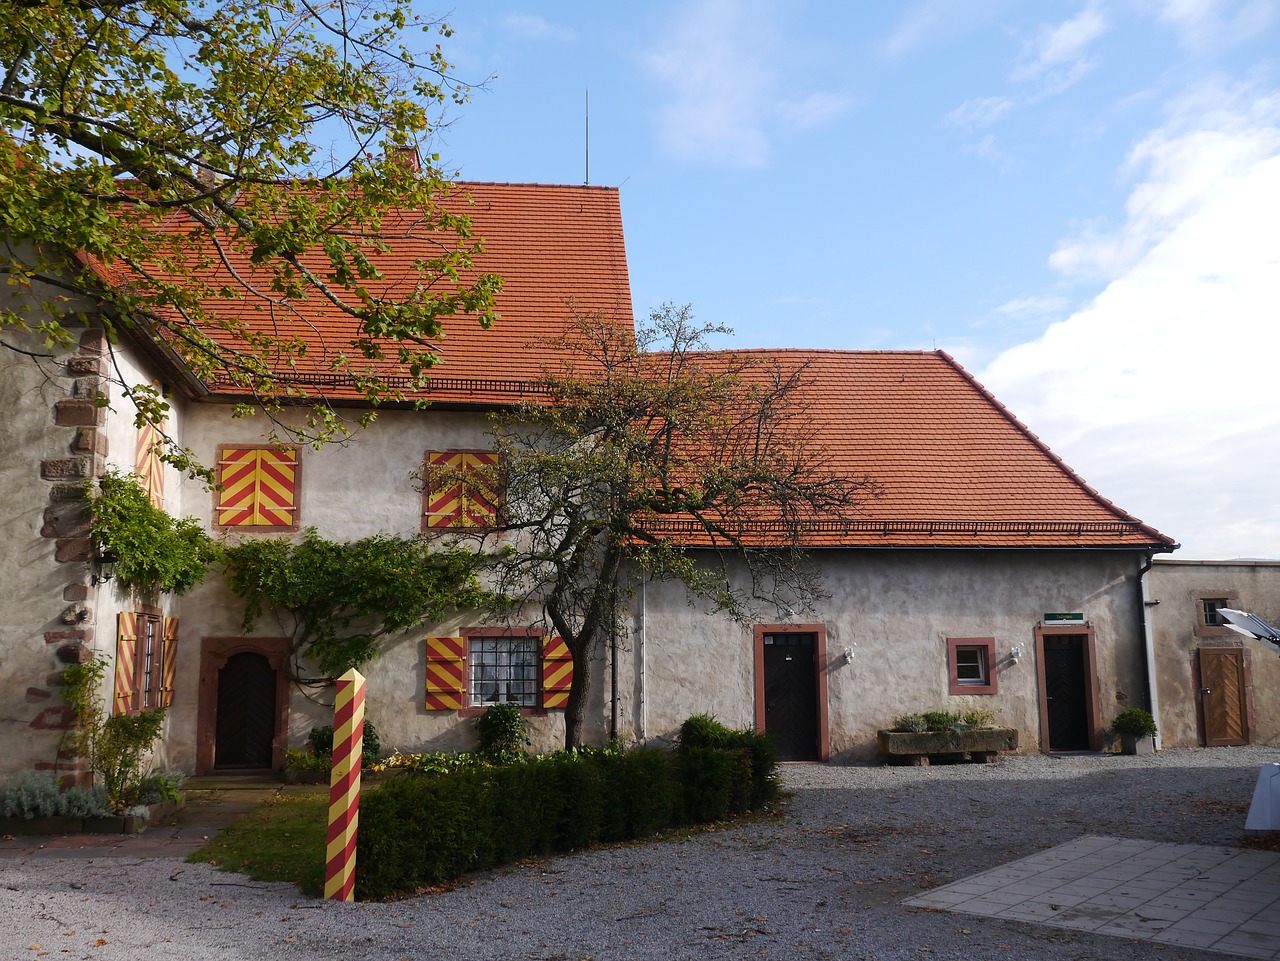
1195 896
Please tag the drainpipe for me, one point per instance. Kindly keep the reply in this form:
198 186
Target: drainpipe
1149 643
644 653
613 680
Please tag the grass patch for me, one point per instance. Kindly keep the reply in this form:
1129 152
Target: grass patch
282 839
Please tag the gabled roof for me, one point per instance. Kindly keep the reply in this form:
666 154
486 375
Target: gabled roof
953 466
557 248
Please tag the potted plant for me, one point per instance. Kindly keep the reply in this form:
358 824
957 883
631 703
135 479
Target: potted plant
1137 729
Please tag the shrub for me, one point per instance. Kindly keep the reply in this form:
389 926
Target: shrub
911 723
1135 722
940 720
500 732
321 740
979 717
161 786
427 827
702 730
35 794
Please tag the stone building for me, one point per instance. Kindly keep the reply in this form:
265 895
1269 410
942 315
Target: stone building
987 574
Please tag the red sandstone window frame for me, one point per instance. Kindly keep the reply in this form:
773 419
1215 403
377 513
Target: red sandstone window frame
985 647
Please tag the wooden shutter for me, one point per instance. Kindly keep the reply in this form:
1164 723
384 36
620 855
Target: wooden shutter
126 662
259 487
460 503
446 676
147 465
168 661
557 672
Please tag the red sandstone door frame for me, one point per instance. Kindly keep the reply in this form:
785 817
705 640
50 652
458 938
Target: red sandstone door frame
819 631
214 654
1093 718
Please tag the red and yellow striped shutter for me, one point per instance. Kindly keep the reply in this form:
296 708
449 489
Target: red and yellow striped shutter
126 659
147 464
238 477
479 500
259 487
557 672
277 487
446 678
168 661
460 504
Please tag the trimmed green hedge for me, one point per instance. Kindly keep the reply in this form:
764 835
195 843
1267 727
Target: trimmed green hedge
421 830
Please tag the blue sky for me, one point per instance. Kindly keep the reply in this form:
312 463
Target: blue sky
1079 200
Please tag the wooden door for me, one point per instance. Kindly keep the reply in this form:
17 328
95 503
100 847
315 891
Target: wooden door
246 723
1222 696
1066 692
791 695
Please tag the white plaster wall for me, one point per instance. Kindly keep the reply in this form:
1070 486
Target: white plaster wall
1178 585
363 486
896 609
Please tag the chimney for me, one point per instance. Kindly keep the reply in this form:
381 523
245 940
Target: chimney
407 157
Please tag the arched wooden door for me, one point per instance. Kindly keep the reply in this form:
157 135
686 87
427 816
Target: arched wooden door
243 705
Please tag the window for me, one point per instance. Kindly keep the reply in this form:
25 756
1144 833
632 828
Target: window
502 670
484 667
257 487
146 661
1208 622
1211 607
971 665
459 489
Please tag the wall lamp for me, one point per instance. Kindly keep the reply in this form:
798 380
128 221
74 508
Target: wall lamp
106 562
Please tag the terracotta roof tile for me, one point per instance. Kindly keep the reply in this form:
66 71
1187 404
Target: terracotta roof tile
955 468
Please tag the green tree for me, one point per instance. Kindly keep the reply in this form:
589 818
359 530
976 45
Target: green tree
161 159
647 446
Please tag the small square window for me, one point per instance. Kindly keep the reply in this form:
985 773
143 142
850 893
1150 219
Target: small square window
971 665
1209 622
1211 607
503 670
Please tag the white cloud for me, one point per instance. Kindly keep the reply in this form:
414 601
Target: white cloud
1204 24
727 98
930 22
978 112
1060 49
1161 392
1033 306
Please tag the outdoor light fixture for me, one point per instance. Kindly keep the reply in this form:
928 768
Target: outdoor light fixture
848 655
106 562
1016 652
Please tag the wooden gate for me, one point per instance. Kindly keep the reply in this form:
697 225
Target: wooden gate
1222 696
791 695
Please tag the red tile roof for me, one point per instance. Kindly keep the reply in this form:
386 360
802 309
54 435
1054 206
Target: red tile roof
954 467
553 245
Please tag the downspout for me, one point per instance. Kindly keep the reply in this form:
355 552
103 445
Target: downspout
1149 643
613 680
644 653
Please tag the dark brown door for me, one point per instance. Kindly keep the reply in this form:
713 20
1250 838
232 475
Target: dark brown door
791 695
246 723
1065 681
1222 695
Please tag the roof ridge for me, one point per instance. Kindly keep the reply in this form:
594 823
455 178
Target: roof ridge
1061 464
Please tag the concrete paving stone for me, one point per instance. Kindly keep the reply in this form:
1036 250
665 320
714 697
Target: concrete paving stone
1259 926
1061 899
983 906
1205 925
1265 946
1186 938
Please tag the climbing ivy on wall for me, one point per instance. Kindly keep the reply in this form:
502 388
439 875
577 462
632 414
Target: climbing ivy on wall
342 599
152 550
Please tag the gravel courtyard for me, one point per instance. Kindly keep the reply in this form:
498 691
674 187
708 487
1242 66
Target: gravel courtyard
826 880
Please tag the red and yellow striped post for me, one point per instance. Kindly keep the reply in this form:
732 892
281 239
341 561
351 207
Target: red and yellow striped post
344 788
